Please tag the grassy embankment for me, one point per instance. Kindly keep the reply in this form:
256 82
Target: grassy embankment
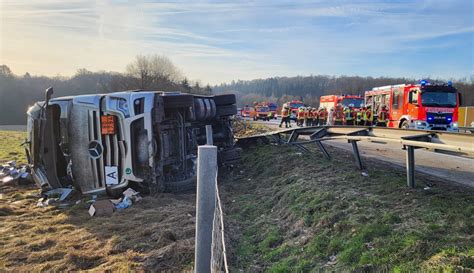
155 234
289 211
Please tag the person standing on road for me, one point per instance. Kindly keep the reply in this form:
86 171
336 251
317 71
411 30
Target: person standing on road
338 115
322 116
347 116
330 121
314 116
300 117
382 117
285 116
368 117
308 116
360 115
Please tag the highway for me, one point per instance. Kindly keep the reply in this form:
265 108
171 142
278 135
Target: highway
446 167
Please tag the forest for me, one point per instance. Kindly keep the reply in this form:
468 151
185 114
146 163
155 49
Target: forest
310 88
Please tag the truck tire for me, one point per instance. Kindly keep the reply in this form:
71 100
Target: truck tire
225 99
199 109
405 125
181 186
178 101
226 110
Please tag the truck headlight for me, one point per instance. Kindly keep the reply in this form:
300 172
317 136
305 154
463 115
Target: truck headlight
455 124
421 124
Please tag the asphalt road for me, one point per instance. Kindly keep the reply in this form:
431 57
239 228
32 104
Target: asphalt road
447 167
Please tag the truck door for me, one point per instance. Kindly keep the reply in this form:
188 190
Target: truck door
412 107
396 108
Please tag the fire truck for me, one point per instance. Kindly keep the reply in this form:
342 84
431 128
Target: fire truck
421 106
245 112
330 101
260 112
272 107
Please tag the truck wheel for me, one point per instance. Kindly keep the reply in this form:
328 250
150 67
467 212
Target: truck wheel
178 100
199 109
224 99
405 125
226 110
181 186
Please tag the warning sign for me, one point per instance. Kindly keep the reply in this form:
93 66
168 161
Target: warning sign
107 125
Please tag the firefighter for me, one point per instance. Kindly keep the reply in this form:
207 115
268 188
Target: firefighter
368 117
348 116
300 116
338 115
330 117
308 116
322 116
285 116
314 116
382 117
360 115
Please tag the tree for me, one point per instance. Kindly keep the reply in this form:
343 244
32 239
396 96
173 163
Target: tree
5 71
153 71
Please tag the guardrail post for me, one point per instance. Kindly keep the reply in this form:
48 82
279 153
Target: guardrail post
356 154
410 166
205 206
323 150
209 139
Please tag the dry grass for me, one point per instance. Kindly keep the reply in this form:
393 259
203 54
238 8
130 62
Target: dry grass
10 148
155 234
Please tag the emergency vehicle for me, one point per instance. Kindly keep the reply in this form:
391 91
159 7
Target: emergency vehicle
330 101
272 107
245 112
260 112
421 106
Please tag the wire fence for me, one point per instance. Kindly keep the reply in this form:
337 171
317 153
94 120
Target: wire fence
218 249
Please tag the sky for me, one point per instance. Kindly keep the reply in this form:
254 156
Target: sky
221 41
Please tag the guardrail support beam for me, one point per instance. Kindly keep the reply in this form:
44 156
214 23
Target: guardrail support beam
356 154
410 166
323 150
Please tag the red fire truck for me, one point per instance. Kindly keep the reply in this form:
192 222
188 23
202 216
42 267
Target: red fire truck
330 101
245 112
421 106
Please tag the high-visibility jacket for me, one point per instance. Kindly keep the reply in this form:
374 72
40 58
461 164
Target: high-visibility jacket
360 115
300 114
285 112
338 114
314 114
306 114
348 114
383 115
368 115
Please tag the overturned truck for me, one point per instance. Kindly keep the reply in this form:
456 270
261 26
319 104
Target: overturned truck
108 142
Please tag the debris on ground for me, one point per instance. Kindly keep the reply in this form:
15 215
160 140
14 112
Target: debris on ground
101 208
365 174
132 195
60 193
11 174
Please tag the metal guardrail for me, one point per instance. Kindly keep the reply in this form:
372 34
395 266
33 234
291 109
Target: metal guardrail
458 144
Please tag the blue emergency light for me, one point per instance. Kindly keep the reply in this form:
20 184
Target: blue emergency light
450 83
423 82
449 119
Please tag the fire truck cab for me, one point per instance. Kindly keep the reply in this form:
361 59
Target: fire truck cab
330 101
245 112
421 106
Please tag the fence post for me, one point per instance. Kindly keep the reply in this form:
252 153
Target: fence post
205 206
209 139
410 158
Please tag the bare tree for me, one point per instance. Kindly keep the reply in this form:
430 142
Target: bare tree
153 71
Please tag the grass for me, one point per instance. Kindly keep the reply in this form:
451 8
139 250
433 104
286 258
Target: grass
154 235
292 212
10 148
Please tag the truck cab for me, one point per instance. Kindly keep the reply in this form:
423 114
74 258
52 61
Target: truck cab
107 142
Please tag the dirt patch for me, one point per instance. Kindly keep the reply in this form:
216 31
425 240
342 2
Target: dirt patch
243 128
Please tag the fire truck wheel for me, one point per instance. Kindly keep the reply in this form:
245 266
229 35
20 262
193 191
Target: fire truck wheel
405 125
226 110
225 99
178 101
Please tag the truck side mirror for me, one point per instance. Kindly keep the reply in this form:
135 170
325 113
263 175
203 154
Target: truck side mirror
460 99
410 97
48 94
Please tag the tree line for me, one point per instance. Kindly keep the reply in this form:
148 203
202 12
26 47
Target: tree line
310 88
151 72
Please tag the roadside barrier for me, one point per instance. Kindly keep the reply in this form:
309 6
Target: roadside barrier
458 144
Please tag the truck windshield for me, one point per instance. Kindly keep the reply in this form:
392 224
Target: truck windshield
262 109
444 99
356 102
296 105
